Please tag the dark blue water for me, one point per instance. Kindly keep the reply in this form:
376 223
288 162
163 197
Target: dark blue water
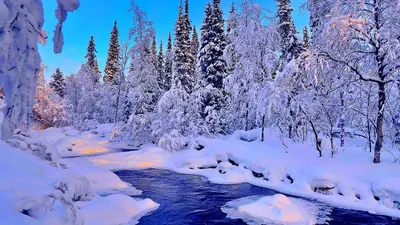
189 199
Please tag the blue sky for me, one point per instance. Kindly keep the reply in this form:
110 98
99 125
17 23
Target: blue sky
96 18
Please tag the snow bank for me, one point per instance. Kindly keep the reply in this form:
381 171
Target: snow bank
349 180
117 209
37 187
276 209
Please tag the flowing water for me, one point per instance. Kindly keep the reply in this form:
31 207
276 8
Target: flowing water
190 199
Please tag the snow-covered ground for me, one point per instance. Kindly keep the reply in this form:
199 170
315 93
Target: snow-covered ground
348 180
61 191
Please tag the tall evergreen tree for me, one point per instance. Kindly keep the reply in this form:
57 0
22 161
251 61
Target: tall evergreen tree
154 50
195 44
230 52
291 46
306 39
112 67
212 68
57 83
161 69
168 64
183 58
91 56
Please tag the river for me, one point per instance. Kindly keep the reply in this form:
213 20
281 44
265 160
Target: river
190 199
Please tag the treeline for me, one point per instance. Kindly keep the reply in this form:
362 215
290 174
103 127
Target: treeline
340 80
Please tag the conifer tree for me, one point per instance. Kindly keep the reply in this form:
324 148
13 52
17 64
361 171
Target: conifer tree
230 52
154 51
91 56
161 69
291 46
183 58
57 83
212 68
168 64
195 45
113 56
306 39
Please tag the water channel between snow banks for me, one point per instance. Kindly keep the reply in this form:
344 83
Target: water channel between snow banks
191 199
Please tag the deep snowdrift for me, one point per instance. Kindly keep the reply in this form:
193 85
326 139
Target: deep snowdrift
348 180
34 191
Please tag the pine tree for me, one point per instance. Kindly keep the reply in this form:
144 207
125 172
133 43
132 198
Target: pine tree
112 67
291 46
91 56
212 68
231 21
230 53
168 64
195 45
188 22
154 51
127 108
57 83
306 39
161 69
183 58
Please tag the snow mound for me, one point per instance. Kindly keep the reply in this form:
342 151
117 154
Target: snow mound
277 209
121 209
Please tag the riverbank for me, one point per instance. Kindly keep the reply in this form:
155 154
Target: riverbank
348 180
39 187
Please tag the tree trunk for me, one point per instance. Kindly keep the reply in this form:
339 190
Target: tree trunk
117 105
318 142
379 123
368 121
246 126
342 134
263 128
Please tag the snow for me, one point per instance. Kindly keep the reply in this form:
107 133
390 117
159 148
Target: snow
349 180
276 209
35 191
100 212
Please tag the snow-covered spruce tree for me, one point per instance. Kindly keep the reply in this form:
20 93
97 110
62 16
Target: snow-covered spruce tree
173 123
161 79
230 52
256 45
306 39
72 91
291 46
319 15
57 83
195 44
169 57
212 69
50 109
89 95
154 51
91 56
144 91
21 23
113 57
183 69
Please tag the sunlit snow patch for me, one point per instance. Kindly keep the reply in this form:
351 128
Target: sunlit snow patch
277 209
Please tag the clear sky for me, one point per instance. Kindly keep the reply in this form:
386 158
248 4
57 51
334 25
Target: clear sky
96 18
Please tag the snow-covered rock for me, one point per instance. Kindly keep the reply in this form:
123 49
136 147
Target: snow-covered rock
277 209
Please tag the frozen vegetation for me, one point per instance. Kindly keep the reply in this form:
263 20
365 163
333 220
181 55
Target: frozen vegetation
247 101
